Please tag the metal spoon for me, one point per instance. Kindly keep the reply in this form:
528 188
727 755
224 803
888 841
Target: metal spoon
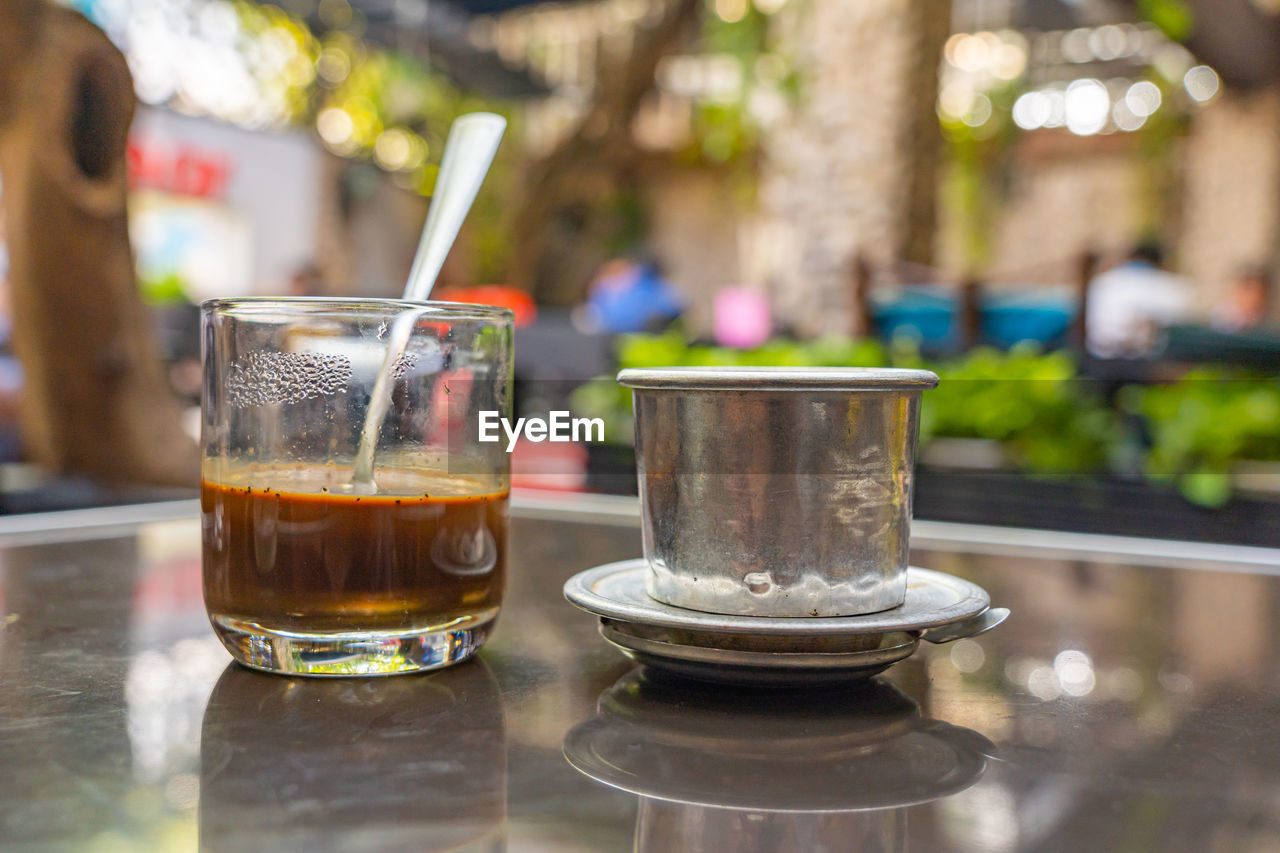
468 154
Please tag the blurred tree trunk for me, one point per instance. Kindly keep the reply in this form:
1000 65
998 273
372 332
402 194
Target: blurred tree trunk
928 28
1231 190
1230 211
853 170
95 400
571 205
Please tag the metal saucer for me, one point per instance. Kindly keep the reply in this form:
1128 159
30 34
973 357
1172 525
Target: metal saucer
777 651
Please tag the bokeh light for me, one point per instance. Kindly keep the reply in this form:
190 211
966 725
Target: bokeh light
334 65
979 112
968 655
335 126
1043 684
1075 46
1032 110
731 11
955 99
1201 83
1171 61
1143 98
1125 118
1073 670
393 149
1087 106
1009 61
1108 42
970 53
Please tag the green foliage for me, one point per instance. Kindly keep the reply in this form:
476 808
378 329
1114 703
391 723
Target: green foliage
724 131
1047 420
289 84
632 217
1033 404
1174 17
976 178
670 348
381 105
160 290
742 38
1202 425
605 398
1158 160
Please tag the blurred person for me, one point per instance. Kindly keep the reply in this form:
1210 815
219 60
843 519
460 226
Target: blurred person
631 295
1131 302
10 369
10 375
1247 302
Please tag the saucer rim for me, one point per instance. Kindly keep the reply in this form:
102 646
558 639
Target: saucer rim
581 590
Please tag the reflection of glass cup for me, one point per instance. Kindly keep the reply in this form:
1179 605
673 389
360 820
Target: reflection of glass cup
340 542
410 764
719 768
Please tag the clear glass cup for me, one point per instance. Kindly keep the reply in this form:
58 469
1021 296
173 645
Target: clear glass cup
336 541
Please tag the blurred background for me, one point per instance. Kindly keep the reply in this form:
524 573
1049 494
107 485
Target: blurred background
1067 208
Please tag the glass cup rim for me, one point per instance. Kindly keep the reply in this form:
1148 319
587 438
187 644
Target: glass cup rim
249 306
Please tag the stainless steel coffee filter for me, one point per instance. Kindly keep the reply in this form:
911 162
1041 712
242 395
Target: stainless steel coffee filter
777 491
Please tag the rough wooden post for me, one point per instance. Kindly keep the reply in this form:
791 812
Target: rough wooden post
854 163
95 399
969 313
1086 268
861 322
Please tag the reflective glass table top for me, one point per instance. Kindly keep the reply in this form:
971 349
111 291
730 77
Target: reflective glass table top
1131 702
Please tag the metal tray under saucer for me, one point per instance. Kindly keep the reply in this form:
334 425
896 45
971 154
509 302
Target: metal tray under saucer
779 651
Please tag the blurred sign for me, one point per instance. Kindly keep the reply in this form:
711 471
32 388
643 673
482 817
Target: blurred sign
179 169
229 211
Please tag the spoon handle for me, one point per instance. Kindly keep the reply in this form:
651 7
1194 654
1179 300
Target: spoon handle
468 152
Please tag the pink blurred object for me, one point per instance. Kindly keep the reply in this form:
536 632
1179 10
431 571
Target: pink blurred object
741 318
549 467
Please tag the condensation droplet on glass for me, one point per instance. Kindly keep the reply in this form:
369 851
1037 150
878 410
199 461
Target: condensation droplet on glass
261 378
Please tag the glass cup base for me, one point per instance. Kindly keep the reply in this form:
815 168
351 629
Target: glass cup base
340 655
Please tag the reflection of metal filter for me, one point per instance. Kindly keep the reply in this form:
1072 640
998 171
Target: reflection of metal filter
762 771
